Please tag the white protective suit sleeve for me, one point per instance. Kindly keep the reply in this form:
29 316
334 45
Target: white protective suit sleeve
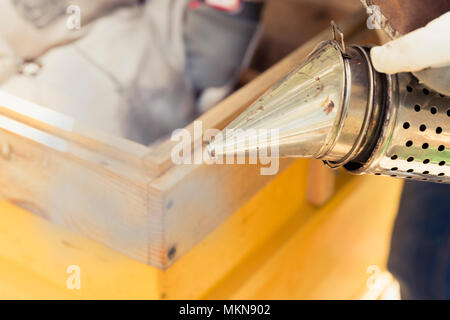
8 63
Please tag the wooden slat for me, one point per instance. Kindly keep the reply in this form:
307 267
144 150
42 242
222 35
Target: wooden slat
346 5
114 148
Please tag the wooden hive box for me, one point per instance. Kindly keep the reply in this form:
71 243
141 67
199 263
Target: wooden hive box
195 230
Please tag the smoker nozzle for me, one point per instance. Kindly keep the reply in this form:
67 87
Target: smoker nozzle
334 106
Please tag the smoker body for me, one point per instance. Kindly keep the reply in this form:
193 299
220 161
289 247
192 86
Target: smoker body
336 107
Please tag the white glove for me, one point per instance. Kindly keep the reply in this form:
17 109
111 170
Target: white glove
423 48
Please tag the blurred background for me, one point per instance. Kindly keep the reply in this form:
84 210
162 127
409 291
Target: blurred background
140 69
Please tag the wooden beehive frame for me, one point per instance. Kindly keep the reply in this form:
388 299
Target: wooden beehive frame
125 195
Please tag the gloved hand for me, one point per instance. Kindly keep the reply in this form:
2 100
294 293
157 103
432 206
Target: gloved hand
426 49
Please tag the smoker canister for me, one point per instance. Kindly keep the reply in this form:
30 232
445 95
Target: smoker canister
336 107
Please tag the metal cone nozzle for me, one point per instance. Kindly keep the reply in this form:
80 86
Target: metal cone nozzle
319 110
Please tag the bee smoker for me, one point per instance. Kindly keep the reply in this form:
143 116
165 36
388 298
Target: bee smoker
334 106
